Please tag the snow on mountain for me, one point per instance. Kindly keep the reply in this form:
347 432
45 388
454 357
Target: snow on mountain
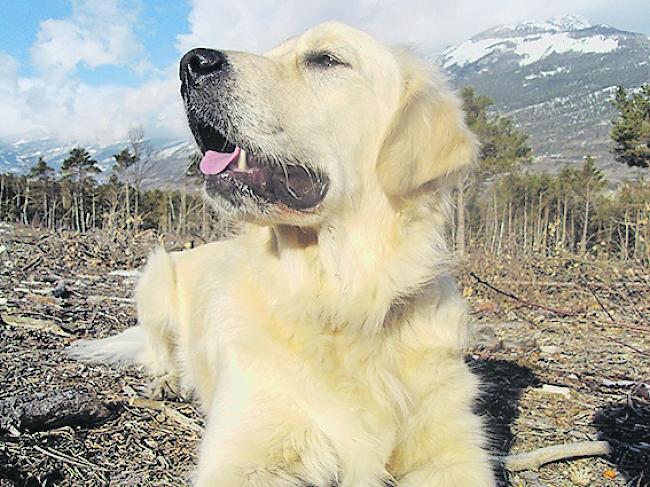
556 79
530 42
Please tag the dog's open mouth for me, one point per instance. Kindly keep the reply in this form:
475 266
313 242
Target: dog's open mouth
231 170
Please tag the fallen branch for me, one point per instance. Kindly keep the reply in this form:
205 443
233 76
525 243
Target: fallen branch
535 459
526 302
79 462
171 413
43 411
33 324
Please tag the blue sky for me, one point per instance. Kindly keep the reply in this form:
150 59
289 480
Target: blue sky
159 24
89 70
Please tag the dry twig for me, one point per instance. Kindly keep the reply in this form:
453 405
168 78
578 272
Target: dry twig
525 302
171 413
535 459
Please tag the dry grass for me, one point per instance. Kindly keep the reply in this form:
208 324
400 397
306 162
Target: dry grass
562 335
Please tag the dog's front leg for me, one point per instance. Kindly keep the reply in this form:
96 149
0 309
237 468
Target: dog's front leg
268 457
451 457
442 442
260 439
241 459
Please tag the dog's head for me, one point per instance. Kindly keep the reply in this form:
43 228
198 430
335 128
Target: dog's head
293 135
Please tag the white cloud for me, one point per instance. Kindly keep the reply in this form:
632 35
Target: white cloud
72 111
258 25
99 32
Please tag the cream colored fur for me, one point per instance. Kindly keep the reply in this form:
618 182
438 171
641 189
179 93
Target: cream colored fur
327 350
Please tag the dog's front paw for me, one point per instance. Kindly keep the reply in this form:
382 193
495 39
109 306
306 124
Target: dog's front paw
166 387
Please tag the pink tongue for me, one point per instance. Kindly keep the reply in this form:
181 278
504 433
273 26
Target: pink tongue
215 162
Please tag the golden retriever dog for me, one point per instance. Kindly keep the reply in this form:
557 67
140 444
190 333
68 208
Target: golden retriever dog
324 342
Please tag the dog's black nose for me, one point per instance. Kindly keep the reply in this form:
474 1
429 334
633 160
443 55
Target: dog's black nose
201 62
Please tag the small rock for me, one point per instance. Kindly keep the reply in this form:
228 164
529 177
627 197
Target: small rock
549 349
126 273
60 290
489 345
3 248
618 383
551 389
523 345
484 332
92 300
532 479
511 325
51 278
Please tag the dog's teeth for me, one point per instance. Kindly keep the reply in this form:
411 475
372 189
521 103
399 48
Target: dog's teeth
241 163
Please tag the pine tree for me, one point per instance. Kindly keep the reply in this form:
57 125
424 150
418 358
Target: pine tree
591 181
41 170
503 146
631 130
77 171
41 175
503 149
123 161
79 166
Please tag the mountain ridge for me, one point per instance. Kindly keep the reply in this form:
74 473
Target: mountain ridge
556 79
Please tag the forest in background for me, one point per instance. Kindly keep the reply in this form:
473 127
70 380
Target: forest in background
503 206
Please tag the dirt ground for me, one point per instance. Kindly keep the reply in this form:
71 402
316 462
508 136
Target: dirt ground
562 345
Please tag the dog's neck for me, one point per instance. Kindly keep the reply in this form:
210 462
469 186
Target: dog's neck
382 256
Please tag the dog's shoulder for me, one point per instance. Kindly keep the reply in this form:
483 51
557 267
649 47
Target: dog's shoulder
220 259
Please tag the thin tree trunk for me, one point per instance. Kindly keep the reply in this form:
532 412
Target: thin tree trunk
94 211
637 235
526 223
585 226
545 243
538 229
25 208
573 232
83 211
501 231
509 223
127 216
136 207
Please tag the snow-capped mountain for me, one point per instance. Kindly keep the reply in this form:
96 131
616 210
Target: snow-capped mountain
556 78
530 42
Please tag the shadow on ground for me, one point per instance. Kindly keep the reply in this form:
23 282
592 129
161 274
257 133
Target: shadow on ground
503 384
627 429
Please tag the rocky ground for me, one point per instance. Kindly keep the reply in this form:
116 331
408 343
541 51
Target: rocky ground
562 345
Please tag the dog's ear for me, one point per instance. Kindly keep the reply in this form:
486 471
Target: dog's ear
428 138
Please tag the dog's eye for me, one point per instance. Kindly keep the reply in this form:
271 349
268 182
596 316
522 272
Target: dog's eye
323 60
